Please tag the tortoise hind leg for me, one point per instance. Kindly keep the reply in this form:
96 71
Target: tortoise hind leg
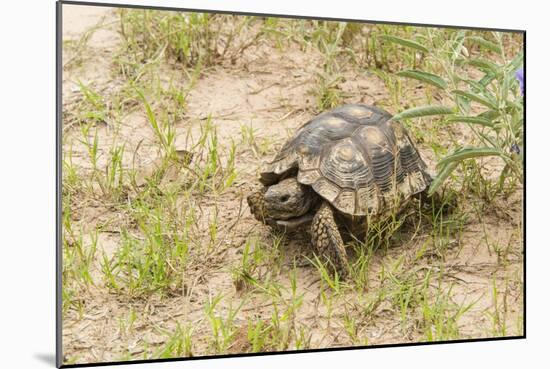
327 240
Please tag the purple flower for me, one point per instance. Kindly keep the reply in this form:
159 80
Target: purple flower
520 78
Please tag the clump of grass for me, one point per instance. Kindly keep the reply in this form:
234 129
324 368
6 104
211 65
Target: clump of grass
95 106
155 261
303 337
380 233
447 229
498 313
259 264
403 285
73 183
275 335
352 326
163 130
79 253
397 47
126 323
243 275
109 177
283 328
205 167
187 38
376 47
441 315
149 35
211 173
327 93
179 343
411 293
328 273
259 335
91 107
394 88
260 145
77 48
340 43
223 327
359 269
328 38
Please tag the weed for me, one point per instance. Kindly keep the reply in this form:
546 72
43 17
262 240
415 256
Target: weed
440 318
155 263
223 329
498 313
189 39
78 259
179 344
260 146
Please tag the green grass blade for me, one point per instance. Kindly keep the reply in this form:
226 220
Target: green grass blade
405 42
151 116
430 78
423 111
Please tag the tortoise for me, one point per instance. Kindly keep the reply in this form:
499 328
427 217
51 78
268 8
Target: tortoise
352 165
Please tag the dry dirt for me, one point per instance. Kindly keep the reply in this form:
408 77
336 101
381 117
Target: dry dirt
267 90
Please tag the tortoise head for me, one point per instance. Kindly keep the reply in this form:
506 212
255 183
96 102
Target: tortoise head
283 200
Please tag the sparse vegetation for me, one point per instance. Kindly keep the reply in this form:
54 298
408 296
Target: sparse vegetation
164 129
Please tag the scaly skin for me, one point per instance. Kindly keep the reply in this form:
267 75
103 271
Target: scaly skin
327 240
266 207
284 200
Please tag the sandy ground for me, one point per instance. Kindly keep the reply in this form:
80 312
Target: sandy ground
266 91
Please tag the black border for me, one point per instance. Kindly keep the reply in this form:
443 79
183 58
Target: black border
308 351
177 9
58 185
58 233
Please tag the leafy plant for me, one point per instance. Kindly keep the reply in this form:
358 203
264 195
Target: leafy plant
491 106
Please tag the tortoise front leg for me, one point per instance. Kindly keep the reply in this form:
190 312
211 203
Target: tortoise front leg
327 240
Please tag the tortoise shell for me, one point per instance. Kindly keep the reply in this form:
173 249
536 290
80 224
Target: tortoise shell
356 157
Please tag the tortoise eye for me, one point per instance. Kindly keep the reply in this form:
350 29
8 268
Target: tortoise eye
284 198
